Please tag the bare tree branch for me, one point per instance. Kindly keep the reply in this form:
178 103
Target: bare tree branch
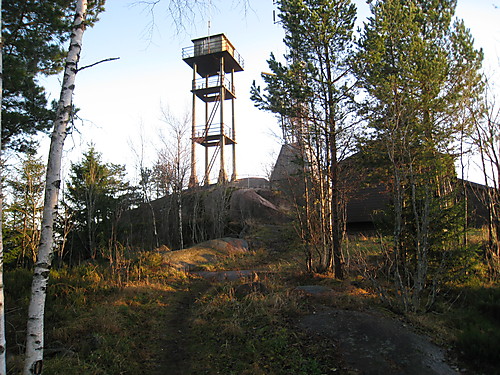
183 13
98 62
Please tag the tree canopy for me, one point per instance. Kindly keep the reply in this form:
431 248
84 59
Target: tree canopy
421 75
34 34
96 194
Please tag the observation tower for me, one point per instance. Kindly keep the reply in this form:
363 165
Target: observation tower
214 61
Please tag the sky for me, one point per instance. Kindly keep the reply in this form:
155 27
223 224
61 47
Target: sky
120 101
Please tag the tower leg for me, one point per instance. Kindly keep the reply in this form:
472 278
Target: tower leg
233 136
222 176
234 176
222 142
222 172
207 160
193 180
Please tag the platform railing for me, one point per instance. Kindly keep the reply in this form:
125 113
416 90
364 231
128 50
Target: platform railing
212 82
214 46
201 131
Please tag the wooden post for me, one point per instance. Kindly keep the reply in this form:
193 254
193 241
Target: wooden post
222 141
193 180
233 136
207 161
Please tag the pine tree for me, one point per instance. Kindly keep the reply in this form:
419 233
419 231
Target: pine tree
96 193
312 94
420 71
34 32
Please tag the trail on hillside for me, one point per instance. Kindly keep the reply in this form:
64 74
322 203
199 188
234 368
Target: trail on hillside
367 342
176 357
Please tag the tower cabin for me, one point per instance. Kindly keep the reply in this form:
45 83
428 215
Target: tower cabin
214 61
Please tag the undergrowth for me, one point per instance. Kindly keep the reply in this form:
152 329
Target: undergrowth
466 314
120 318
96 323
477 319
255 334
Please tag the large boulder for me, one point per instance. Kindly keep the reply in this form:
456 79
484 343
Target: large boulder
205 254
248 204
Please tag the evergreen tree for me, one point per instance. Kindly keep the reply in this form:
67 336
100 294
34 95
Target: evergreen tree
24 214
420 72
34 34
96 194
312 94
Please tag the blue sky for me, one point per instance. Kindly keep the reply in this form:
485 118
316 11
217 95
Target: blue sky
118 99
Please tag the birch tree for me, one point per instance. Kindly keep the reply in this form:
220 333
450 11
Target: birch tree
146 180
175 157
3 368
35 327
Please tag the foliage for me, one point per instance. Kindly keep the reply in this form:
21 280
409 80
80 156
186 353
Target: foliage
22 216
97 194
312 93
34 32
420 74
478 319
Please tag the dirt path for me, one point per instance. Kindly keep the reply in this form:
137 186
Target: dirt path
375 345
175 347
369 343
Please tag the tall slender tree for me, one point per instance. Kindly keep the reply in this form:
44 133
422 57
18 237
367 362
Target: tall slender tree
3 348
35 327
312 92
487 140
23 214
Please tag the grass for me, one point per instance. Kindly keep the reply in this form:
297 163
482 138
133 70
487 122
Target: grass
254 334
96 324
466 315
204 256
145 317
142 316
477 320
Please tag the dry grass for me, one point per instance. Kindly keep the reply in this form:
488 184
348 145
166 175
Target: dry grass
205 255
117 320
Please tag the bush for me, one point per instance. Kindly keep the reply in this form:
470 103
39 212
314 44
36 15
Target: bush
479 325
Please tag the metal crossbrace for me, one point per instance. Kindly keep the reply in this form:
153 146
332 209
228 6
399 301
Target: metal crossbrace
211 164
212 116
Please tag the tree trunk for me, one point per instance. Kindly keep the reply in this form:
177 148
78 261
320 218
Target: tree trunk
35 329
3 370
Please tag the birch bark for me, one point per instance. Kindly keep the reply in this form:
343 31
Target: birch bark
35 328
3 369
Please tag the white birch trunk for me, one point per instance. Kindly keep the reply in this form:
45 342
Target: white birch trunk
35 327
3 368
